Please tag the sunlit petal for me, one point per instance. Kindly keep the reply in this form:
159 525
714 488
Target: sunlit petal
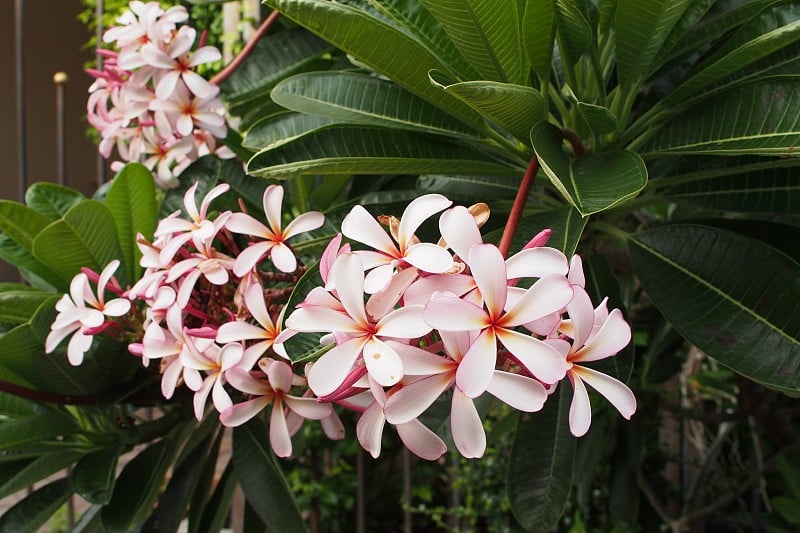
429 258
546 296
360 226
536 263
454 314
489 271
419 210
405 323
412 400
520 392
383 363
477 367
283 258
466 425
538 357
304 222
332 368
459 230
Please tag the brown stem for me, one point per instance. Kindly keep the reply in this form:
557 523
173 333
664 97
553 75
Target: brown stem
519 204
578 148
46 397
233 65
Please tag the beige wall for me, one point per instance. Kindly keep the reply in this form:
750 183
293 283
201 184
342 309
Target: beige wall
53 42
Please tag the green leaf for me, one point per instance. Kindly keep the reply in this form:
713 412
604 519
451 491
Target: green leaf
600 119
731 296
140 481
132 202
377 44
18 306
344 149
30 268
538 36
642 26
21 223
283 127
688 21
12 406
35 509
541 465
273 58
488 34
215 513
753 119
575 33
261 478
593 183
30 472
202 492
775 190
43 426
567 225
85 237
93 476
363 99
515 108
761 37
470 188
787 508
51 199
781 236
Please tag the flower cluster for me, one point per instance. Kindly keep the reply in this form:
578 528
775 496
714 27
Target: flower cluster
149 101
404 322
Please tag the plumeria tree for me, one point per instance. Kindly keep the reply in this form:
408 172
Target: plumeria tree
435 226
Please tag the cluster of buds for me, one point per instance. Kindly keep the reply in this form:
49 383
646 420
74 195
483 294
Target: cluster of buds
404 322
148 101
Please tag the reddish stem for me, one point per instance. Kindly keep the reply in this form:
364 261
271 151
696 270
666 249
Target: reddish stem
519 204
46 397
233 65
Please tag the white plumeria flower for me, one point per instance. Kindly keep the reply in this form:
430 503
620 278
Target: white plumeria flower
214 361
82 310
362 336
274 389
494 323
596 334
360 226
274 237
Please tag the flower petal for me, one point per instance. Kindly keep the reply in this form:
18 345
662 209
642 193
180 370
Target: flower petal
613 336
536 263
383 363
403 323
489 270
538 357
283 258
308 407
332 368
419 210
477 367
613 390
466 425
279 432
421 441
454 314
520 392
347 276
580 410
412 400
369 429
248 258
303 223
581 314
546 296
313 318
459 230
360 226
429 258
239 413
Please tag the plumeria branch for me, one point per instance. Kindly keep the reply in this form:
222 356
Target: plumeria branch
519 205
223 74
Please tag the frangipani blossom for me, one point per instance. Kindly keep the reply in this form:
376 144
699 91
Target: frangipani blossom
492 322
364 334
360 226
274 389
74 315
214 361
274 237
597 334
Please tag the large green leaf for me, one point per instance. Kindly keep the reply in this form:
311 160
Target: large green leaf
263 483
132 202
43 426
369 150
21 223
34 272
23 475
93 477
538 36
18 306
642 26
758 118
765 35
378 45
213 516
775 190
363 99
576 35
52 200
784 237
29 514
731 296
273 58
140 481
283 127
516 108
85 237
592 183
488 34
541 464
470 188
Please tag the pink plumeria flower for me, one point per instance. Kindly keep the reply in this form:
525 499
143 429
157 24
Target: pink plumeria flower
361 336
214 361
207 262
265 331
437 374
273 385
387 256
419 440
82 311
188 112
493 322
596 334
274 237
199 228
176 63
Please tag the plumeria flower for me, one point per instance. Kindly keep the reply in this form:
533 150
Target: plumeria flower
272 385
83 311
387 256
214 361
494 323
596 334
189 112
265 331
274 237
428 376
361 336
420 440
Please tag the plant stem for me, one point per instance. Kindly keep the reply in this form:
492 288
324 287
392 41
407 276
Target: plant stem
233 65
46 397
519 205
